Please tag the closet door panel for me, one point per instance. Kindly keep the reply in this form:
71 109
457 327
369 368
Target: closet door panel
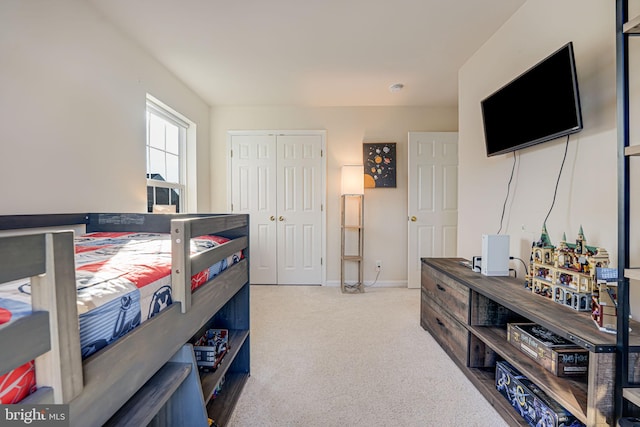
253 191
299 206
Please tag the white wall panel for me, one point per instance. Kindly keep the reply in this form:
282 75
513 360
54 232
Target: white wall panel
536 30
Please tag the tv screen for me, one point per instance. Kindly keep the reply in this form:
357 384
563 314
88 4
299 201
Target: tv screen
541 104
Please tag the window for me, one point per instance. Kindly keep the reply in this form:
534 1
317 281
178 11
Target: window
166 145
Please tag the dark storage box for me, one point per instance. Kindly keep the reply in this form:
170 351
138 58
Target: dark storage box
533 404
556 354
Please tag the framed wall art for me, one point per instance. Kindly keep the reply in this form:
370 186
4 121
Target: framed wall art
379 161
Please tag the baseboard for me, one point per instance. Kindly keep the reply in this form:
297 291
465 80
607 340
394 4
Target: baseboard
378 284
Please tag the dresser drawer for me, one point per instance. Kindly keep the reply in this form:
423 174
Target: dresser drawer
452 296
452 336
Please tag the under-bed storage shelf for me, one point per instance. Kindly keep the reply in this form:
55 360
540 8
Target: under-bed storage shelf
233 371
222 406
211 380
231 374
481 307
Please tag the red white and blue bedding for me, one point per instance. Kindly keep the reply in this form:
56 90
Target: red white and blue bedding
122 280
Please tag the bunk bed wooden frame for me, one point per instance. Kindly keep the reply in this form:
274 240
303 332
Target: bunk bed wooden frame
98 387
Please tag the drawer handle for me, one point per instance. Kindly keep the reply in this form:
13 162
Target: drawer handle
440 288
439 322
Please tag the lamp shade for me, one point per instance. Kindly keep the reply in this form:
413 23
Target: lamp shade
352 179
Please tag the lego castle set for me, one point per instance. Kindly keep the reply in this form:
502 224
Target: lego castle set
576 275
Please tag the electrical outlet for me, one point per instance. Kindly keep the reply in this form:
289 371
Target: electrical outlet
378 265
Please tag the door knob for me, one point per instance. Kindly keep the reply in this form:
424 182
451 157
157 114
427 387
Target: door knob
414 219
272 218
280 218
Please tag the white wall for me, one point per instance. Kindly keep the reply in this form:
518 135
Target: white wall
587 190
347 128
72 111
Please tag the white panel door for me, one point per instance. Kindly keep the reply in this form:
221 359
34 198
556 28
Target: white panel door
299 208
433 199
253 191
278 181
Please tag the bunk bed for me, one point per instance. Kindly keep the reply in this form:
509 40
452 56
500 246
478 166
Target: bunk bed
110 386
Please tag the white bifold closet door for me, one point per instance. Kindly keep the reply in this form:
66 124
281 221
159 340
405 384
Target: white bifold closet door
277 179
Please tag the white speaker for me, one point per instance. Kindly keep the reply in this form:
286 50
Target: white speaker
495 255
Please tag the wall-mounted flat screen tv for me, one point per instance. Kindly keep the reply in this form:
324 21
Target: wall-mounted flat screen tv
541 104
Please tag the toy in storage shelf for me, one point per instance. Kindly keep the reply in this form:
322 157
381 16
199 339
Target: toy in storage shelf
557 355
225 356
533 404
211 348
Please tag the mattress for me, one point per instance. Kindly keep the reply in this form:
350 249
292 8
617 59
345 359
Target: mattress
122 280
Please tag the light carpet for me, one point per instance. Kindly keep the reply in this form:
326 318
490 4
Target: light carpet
323 358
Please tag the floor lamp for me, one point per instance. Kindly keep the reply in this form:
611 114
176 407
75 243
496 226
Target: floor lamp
352 228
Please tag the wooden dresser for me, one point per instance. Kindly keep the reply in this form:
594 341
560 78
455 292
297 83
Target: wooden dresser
467 314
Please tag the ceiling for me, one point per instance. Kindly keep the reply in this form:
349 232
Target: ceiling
313 52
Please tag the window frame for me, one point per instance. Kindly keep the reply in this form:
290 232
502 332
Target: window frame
155 107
